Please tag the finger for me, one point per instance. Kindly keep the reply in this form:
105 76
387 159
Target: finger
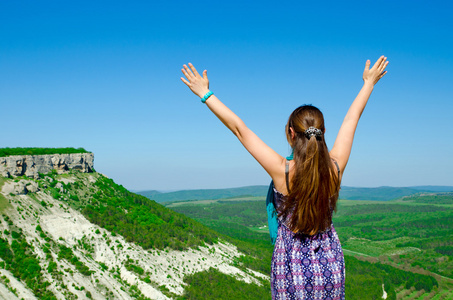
381 68
382 64
185 81
185 73
382 75
367 65
205 75
378 62
194 70
189 73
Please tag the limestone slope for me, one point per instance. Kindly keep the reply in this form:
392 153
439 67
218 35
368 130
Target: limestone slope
89 238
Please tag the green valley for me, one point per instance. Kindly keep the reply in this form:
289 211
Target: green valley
404 244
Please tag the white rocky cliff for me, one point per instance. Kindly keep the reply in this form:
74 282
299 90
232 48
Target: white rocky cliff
32 165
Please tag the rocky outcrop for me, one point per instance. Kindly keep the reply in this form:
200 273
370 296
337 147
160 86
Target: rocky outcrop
32 165
22 187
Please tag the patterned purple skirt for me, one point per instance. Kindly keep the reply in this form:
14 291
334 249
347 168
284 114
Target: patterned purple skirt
307 267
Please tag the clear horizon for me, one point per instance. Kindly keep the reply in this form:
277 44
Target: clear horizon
105 76
266 185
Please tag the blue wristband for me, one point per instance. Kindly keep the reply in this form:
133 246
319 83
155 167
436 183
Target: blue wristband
206 96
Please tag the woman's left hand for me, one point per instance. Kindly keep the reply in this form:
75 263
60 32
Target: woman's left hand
198 85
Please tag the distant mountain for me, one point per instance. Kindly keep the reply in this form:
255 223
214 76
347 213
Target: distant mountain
433 188
383 193
152 194
256 190
386 193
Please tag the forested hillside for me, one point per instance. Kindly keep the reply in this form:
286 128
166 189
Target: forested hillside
81 236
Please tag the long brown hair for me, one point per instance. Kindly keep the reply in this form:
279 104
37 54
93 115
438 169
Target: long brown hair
313 190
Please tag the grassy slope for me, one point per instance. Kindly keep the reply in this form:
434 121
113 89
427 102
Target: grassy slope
133 216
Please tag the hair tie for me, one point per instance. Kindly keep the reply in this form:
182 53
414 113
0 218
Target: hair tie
313 131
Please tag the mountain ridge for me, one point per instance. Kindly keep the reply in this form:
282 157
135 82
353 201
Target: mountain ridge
383 193
203 194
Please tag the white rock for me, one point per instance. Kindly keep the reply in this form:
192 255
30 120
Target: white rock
59 186
16 188
32 187
32 165
20 188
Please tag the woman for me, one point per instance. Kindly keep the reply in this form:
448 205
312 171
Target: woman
307 262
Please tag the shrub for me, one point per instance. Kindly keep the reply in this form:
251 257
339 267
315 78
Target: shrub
39 151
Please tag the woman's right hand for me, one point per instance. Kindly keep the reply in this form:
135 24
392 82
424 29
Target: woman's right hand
198 85
376 72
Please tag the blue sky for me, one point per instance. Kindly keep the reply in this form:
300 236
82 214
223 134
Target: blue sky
104 75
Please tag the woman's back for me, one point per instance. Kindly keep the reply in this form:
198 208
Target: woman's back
306 266
312 181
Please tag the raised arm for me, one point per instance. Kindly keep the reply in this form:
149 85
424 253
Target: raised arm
343 143
270 160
